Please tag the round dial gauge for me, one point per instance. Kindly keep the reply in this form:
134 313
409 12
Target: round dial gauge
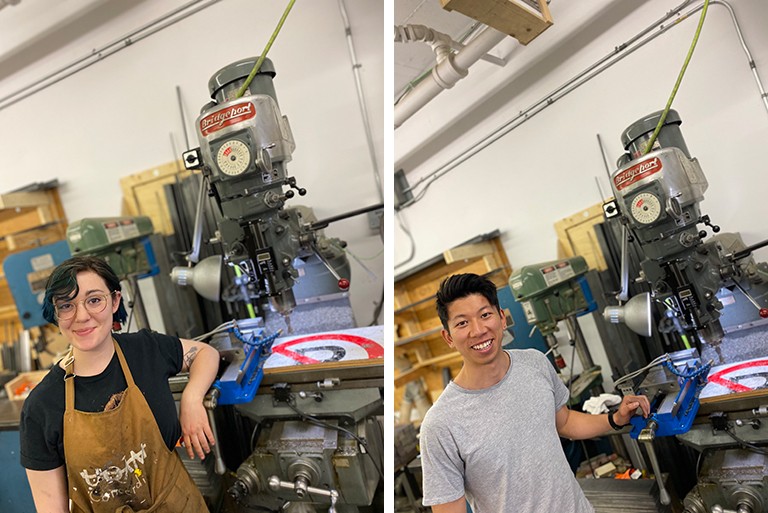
646 208
233 157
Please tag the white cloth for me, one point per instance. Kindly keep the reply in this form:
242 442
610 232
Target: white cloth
601 403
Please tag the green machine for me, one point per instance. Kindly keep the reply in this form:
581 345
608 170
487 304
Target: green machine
555 291
550 292
123 242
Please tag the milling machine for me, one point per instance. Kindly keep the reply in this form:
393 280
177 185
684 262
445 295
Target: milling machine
245 144
657 198
706 290
312 439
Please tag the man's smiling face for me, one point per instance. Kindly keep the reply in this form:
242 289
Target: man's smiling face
475 329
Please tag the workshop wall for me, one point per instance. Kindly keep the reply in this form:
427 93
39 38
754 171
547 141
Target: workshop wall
546 169
121 115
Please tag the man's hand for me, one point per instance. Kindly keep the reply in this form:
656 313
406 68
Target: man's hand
628 408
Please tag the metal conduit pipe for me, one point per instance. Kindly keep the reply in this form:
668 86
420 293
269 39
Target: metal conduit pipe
105 51
619 53
524 114
361 100
746 50
446 73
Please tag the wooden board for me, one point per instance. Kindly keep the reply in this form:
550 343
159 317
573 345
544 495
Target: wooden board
20 220
511 17
576 236
423 368
23 199
468 251
144 194
19 387
36 237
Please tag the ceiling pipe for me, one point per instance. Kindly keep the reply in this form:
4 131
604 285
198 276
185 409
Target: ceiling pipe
101 53
619 52
441 43
446 73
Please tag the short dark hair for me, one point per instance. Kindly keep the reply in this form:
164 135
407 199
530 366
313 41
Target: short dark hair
458 286
62 284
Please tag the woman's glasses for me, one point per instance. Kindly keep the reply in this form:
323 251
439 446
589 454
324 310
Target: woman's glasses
93 304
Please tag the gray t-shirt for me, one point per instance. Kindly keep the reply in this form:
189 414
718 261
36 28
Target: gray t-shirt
499 446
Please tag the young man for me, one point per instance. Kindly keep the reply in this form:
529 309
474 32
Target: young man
492 437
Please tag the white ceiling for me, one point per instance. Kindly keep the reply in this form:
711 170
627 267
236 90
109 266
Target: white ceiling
413 59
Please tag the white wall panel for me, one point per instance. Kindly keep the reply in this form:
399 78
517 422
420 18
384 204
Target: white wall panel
118 116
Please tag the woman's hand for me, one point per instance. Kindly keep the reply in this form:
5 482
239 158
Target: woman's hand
202 363
196 432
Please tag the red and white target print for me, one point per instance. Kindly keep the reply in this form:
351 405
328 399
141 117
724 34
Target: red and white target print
336 346
737 377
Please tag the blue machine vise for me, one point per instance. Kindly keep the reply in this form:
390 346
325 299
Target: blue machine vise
673 413
238 383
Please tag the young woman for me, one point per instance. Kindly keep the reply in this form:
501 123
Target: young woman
101 428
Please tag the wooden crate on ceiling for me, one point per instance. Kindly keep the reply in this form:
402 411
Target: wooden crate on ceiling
522 19
143 194
576 236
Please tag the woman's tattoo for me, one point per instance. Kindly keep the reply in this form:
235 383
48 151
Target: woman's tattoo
190 356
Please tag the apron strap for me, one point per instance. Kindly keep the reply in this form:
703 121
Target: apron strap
69 381
123 364
69 374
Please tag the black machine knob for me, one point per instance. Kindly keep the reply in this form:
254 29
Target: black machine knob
238 491
292 184
707 222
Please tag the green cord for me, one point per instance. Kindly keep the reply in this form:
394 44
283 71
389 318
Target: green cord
263 56
248 304
679 80
685 340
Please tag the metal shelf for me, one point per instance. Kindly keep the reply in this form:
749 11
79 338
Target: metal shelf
418 336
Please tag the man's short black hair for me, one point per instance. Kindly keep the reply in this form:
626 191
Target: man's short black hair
458 286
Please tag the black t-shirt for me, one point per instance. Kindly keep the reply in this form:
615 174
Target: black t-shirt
152 359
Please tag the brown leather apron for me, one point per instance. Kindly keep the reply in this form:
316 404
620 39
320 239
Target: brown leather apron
117 460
